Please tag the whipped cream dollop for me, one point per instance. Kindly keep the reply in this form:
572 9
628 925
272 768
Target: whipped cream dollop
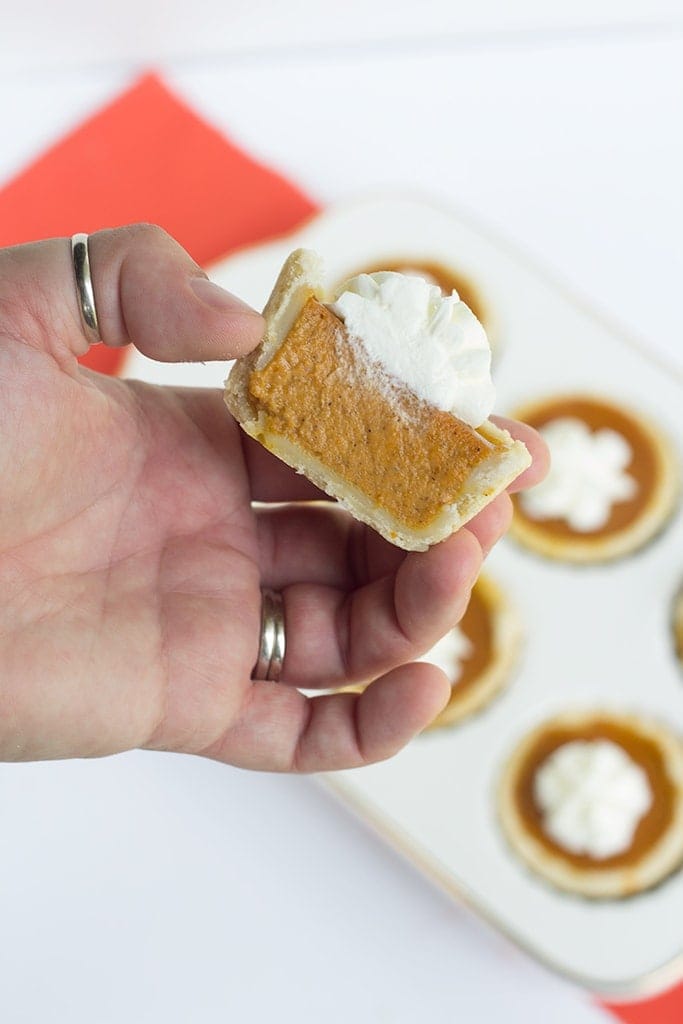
586 477
592 795
424 274
449 652
429 342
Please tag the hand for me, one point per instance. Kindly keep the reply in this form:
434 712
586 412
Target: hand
131 559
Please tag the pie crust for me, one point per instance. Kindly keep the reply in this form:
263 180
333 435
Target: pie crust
677 624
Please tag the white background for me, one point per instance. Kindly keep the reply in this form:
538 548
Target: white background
78 33
154 888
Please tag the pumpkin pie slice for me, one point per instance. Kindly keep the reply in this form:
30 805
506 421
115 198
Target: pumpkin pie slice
613 480
380 395
592 801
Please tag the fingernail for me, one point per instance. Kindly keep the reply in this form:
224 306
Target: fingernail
215 296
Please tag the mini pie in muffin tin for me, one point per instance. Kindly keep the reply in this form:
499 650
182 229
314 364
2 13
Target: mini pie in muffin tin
654 848
479 655
612 485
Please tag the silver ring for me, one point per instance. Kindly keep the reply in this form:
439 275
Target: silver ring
272 642
84 288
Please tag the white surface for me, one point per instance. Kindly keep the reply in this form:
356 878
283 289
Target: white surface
153 888
618 613
164 890
572 151
36 37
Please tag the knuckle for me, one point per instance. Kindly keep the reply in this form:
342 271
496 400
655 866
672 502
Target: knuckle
149 233
131 235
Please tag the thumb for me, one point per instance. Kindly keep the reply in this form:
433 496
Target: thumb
147 290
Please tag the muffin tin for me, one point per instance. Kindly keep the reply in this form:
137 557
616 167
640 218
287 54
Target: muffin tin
595 635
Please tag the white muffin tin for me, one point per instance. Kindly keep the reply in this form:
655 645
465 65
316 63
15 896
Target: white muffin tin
595 635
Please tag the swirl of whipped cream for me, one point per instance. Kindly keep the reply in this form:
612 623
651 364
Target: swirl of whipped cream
432 343
586 475
449 652
592 795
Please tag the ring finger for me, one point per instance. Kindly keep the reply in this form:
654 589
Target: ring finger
335 637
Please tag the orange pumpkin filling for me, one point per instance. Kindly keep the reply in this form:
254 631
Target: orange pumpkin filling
322 394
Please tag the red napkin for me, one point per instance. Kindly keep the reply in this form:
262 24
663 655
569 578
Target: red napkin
147 156
665 1009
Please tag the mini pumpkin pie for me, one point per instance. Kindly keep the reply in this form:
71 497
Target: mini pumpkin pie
478 655
593 802
612 484
380 394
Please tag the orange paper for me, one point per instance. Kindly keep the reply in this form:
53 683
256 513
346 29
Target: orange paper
665 1009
